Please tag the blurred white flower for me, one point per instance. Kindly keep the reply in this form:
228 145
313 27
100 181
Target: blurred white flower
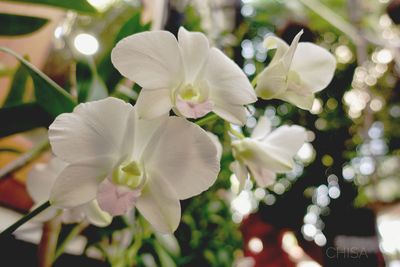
123 161
39 183
266 153
296 72
385 190
186 75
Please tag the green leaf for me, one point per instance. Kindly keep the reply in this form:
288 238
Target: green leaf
133 25
49 95
90 85
18 25
23 117
17 89
78 5
83 79
106 70
98 89
51 98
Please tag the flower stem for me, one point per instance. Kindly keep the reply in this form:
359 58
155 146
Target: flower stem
36 71
235 133
24 159
333 18
48 242
24 219
208 119
74 232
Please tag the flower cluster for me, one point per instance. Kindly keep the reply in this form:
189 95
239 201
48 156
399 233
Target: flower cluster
112 156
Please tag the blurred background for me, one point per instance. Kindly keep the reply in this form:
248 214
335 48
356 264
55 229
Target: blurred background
340 205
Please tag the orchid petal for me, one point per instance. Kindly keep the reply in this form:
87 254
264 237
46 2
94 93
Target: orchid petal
194 49
78 182
152 59
273 42
95 215
262 128
73 215
217 144
303 101
241 172
287 139
262 154
315 65
93 129
289 55
227 81
153 103
272 81
184 154
159 204
141 131
41 179
235 114
263 176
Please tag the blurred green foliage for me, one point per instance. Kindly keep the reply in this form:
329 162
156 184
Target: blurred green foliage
19 25
76 5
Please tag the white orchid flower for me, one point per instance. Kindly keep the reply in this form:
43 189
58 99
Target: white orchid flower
39 183
296 72
214 138
123 161
266 153
186 75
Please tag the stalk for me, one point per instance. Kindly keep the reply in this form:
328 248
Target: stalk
48 242
24 219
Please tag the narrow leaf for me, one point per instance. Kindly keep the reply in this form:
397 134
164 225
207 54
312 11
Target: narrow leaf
49 95
91 86
17 88
18 25
50 98
98 89
78 5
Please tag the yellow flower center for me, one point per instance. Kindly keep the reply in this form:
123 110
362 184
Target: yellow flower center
189 93
130 174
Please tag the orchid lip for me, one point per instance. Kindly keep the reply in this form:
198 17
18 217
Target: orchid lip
189 93
192 101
